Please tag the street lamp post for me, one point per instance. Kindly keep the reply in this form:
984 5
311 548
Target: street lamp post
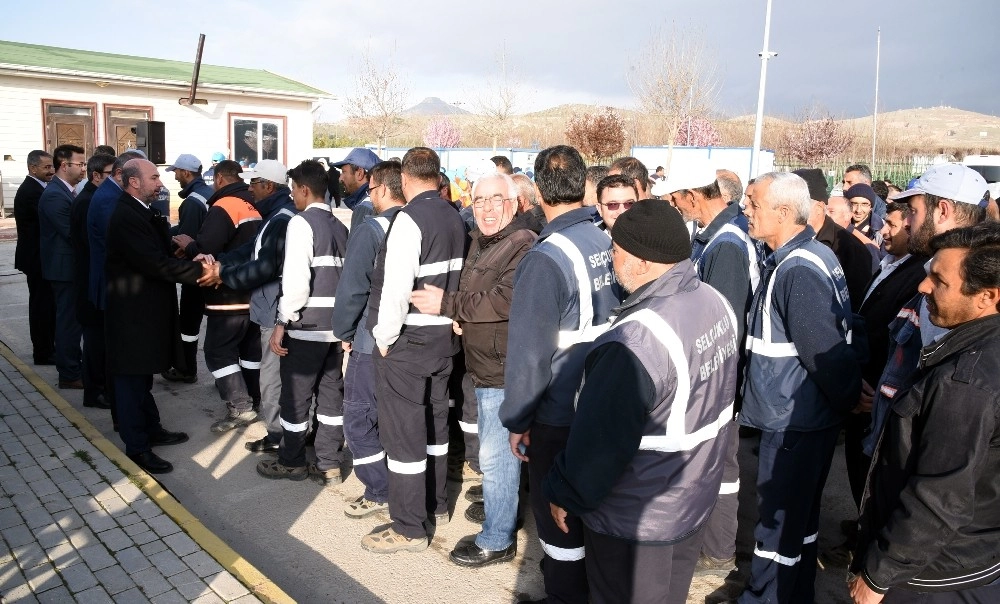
758 129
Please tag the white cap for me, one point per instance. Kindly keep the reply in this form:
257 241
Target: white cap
268 169
479 169
699 175
950 181
185 161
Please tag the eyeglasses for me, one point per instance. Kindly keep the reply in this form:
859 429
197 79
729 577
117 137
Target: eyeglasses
257 181
107 172
373 189
82 164
614 205
861 205
496 202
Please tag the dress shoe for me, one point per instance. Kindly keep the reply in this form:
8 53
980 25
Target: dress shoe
261 446
151 462
166 437
471 555
71 384
174 375
97 402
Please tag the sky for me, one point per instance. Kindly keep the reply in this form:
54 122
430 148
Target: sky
933 53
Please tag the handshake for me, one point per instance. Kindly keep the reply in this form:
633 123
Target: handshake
209 266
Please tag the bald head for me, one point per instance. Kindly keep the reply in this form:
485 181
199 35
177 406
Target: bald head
839 210
141 180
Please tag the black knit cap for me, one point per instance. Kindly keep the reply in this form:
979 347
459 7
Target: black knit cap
653 230
816 181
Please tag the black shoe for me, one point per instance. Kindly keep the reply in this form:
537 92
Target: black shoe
71 384
475 493
476 513
261 446
46 361
151 462
173 375
471 555
166 437
97 402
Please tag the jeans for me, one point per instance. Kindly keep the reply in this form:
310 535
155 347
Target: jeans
361 426
501 473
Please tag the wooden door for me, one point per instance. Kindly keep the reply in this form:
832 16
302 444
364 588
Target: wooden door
70 130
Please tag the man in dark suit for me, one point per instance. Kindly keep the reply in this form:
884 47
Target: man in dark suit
143 333
95 389
57 259
41 305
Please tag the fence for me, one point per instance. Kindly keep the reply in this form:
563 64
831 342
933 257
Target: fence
899 172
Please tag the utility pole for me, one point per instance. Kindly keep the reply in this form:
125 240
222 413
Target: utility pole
758 129
878 57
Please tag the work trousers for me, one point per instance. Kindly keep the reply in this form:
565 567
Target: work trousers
856 428
191 311
412 394
563 568
361 426
792 471
69 356
41 317
312 370
138 416
719 540
232 354
464 415
270 387
620 571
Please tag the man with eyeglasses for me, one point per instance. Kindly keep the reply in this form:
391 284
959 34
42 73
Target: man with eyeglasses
195 193
726 258
232 341
96 392
57 259
41 306
615 195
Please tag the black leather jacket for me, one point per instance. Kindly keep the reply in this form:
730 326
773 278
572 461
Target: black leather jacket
930 516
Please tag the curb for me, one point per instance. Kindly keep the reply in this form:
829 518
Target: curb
246 573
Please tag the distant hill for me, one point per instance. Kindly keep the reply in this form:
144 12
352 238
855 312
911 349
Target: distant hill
944 126
432 105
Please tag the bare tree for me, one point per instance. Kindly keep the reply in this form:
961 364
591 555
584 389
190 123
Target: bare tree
378 99
497 100
599 135
673 78
816 140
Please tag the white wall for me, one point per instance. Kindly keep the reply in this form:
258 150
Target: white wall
199 129
736 159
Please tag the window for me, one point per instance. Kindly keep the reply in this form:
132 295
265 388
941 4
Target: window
119 122
257 137
69 123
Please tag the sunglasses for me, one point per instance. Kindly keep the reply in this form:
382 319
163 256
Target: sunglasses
614 205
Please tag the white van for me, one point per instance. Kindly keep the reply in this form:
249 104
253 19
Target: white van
989 167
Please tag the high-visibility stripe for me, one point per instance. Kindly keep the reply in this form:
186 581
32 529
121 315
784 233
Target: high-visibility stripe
563 554
320 301
420 320
729 488
957 580
451 402
383 222
227 370
187 338
437 450
330 420
587 331
227 306
751 250
773 350
249 364
407 467
249 219
467 427
776 557
439 268
198 197
293 427
811 538
887 390
260 236
370 459
327 261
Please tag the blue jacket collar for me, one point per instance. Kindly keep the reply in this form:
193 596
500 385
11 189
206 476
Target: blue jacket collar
567 220
807 235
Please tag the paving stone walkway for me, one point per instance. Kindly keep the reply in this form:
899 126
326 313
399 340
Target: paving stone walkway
76 528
